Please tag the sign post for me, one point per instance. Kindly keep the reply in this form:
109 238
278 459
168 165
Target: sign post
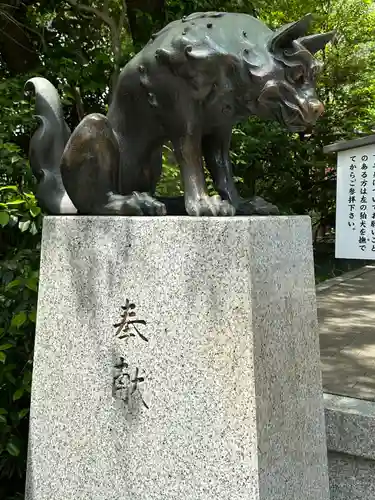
355 198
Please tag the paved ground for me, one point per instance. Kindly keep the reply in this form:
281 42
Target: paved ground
346 313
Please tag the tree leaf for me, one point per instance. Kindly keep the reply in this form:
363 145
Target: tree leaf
3 419
12 449
19 319
23 413
13 220
13 284
4 218
35 211
26 379
19 201
2 357
3 411
9 376
32 316
18 394
24 225
4 347
32 284
34 229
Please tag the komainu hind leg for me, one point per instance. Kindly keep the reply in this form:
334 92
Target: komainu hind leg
90 173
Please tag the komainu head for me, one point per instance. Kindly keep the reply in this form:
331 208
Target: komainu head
287 76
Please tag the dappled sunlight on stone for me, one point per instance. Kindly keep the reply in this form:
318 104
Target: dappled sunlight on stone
346 314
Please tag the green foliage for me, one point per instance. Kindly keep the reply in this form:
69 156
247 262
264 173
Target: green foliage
80 54
170 183
20 226
21 220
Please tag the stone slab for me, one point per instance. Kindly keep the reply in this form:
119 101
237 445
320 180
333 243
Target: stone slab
355 273
346 313
350 425
232 373
351 477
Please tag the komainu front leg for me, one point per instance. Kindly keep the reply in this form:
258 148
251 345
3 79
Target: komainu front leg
216 153
197 202
90 172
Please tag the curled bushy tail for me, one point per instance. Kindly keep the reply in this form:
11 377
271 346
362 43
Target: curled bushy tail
47 146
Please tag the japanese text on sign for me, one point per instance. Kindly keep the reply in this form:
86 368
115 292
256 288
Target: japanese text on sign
355 204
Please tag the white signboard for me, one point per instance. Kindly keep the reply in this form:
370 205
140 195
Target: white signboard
355 203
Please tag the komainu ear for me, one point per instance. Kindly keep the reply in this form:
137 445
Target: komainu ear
313 43
283 37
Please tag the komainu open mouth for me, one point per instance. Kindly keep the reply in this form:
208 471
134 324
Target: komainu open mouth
274 97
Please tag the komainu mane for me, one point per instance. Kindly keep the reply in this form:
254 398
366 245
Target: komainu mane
190 84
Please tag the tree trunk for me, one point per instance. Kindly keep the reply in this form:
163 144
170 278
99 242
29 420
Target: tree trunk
16 43
145 17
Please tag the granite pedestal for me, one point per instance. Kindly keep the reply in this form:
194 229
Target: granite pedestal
231 367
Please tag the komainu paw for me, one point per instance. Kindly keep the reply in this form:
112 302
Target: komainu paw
135 204
209 206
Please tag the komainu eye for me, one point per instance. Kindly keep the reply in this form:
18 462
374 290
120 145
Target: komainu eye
299 77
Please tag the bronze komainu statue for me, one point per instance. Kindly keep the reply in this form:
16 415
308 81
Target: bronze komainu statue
189 85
